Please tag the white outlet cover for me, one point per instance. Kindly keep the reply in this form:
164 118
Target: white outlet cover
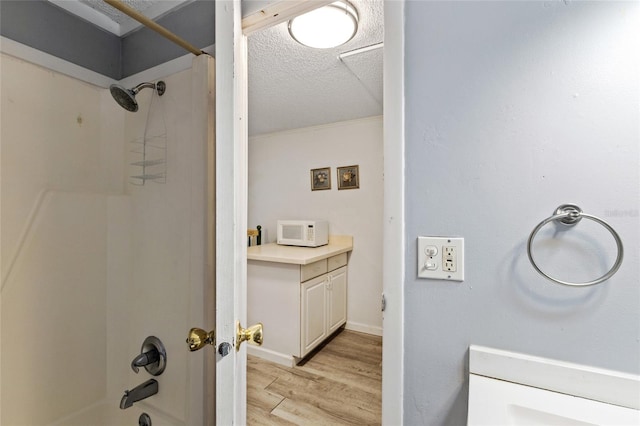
431 266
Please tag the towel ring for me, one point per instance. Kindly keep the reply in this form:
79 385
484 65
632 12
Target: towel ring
570 215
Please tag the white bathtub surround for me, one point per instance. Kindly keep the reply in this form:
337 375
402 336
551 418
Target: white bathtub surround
97 265
62 155
104 413
280 188
166 283
512 388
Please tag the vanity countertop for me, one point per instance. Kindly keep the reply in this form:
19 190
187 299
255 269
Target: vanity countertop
300 255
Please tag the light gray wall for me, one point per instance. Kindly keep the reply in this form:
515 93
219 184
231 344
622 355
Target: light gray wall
513 108
50 29
144 48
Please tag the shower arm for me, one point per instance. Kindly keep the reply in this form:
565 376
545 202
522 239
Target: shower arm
132 13
141 86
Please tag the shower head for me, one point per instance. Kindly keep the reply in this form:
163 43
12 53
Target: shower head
126 98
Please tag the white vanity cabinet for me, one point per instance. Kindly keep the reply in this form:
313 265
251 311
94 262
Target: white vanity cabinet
313 313
323 307
299 301
337 299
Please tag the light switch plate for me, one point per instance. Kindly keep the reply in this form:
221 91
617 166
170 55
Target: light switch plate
441 258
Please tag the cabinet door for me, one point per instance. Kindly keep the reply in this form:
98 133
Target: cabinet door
313 313
337 299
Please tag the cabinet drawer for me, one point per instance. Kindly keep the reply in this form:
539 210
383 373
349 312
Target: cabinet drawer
337 261
313 270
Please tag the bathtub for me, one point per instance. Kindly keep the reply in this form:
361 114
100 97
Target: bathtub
108 413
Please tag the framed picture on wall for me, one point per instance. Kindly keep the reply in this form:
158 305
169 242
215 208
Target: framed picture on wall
321 179
348 177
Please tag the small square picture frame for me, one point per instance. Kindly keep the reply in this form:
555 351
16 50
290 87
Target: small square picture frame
348 177
321 179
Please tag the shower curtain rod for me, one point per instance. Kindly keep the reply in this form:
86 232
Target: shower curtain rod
118 4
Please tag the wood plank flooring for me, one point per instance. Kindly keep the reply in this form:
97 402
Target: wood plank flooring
341 384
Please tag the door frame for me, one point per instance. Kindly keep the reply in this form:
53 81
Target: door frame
232 93
393 255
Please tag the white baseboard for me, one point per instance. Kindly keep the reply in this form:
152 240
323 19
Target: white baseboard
363 328
269 355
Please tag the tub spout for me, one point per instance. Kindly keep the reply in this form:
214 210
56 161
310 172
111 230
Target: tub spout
140 392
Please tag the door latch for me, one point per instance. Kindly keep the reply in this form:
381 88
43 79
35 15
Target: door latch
224 349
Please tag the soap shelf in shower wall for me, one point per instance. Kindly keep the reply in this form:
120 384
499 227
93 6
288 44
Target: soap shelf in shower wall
150 160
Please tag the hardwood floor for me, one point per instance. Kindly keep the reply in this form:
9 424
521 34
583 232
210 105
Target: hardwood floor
341 384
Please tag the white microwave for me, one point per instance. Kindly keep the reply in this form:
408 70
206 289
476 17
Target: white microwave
305 233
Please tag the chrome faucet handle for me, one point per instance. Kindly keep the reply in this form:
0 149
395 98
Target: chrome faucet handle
144 359
153 357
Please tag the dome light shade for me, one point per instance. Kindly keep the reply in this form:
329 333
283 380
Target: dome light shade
325 27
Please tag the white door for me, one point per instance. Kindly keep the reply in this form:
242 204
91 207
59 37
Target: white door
231 152
231 192
231 195
230 213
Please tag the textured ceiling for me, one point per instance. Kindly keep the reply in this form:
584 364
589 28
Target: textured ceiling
101 14
293 86
114 14
290 85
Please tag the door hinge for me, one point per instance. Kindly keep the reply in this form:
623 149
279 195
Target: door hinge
383 305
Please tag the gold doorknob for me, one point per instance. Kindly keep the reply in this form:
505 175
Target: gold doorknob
198 338
252 334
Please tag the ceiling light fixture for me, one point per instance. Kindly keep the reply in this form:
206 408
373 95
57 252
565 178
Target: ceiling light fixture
329 26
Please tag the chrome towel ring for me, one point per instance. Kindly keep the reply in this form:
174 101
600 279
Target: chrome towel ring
570 215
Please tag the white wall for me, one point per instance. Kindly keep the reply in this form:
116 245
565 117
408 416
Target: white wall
280 188
513 108
61 153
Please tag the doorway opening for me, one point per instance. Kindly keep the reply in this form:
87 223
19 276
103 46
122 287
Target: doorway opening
320 110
